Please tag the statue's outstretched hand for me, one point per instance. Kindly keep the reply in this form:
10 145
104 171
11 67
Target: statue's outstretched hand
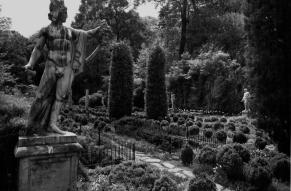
28 67
104 26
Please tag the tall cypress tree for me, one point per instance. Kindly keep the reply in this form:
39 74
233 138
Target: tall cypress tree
121 82
156 96
268 31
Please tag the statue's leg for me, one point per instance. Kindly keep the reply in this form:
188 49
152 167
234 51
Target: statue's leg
62 88
247 106
39 115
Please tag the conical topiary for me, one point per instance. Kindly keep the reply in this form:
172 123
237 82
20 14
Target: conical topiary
156 96
121 82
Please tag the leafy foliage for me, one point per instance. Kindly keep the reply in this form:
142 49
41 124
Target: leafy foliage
126 25
12 112
211 81
267 61
5 22
6 77
14 51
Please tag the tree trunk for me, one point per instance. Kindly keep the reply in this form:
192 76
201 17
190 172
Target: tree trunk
183 27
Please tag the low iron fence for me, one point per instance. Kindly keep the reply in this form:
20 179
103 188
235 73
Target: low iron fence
108 154
202 140
196 141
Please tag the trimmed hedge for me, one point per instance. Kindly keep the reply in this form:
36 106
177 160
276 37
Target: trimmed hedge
201 184
156 97
280 165
230 161
95 100
258 173
218 126
230 126
207 155
165 184
221 135
140 175
194 130
240 138
208 133
243 152
244 129
260 143
121 82
187 156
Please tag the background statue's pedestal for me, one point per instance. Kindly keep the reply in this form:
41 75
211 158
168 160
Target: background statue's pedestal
245 113
47 163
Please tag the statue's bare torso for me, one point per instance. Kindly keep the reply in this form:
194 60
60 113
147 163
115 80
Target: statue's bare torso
59 43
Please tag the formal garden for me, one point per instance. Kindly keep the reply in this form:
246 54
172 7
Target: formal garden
158 106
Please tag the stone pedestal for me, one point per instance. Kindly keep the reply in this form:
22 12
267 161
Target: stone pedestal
47 163
245 113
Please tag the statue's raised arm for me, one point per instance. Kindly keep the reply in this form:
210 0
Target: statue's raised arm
36 53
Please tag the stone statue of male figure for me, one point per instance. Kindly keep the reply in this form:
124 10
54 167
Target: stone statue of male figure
66 56
246 100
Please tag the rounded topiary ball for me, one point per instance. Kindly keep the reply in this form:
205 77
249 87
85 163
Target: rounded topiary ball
223 120
258 173
230 126
189 123
243 152
260 143
218 126
280 165
164 123
175 118
207 126
230 161
207 155
198 123
187 155
221 135
194 130
199 119
208 133
244 129
181 121
240 138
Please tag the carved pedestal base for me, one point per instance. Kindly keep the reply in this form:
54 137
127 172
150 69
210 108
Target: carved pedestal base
47 163
245 113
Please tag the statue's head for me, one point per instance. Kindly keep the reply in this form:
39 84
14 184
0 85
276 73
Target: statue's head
245 89
58 11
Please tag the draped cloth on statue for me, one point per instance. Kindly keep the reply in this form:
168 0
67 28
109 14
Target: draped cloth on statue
53 87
